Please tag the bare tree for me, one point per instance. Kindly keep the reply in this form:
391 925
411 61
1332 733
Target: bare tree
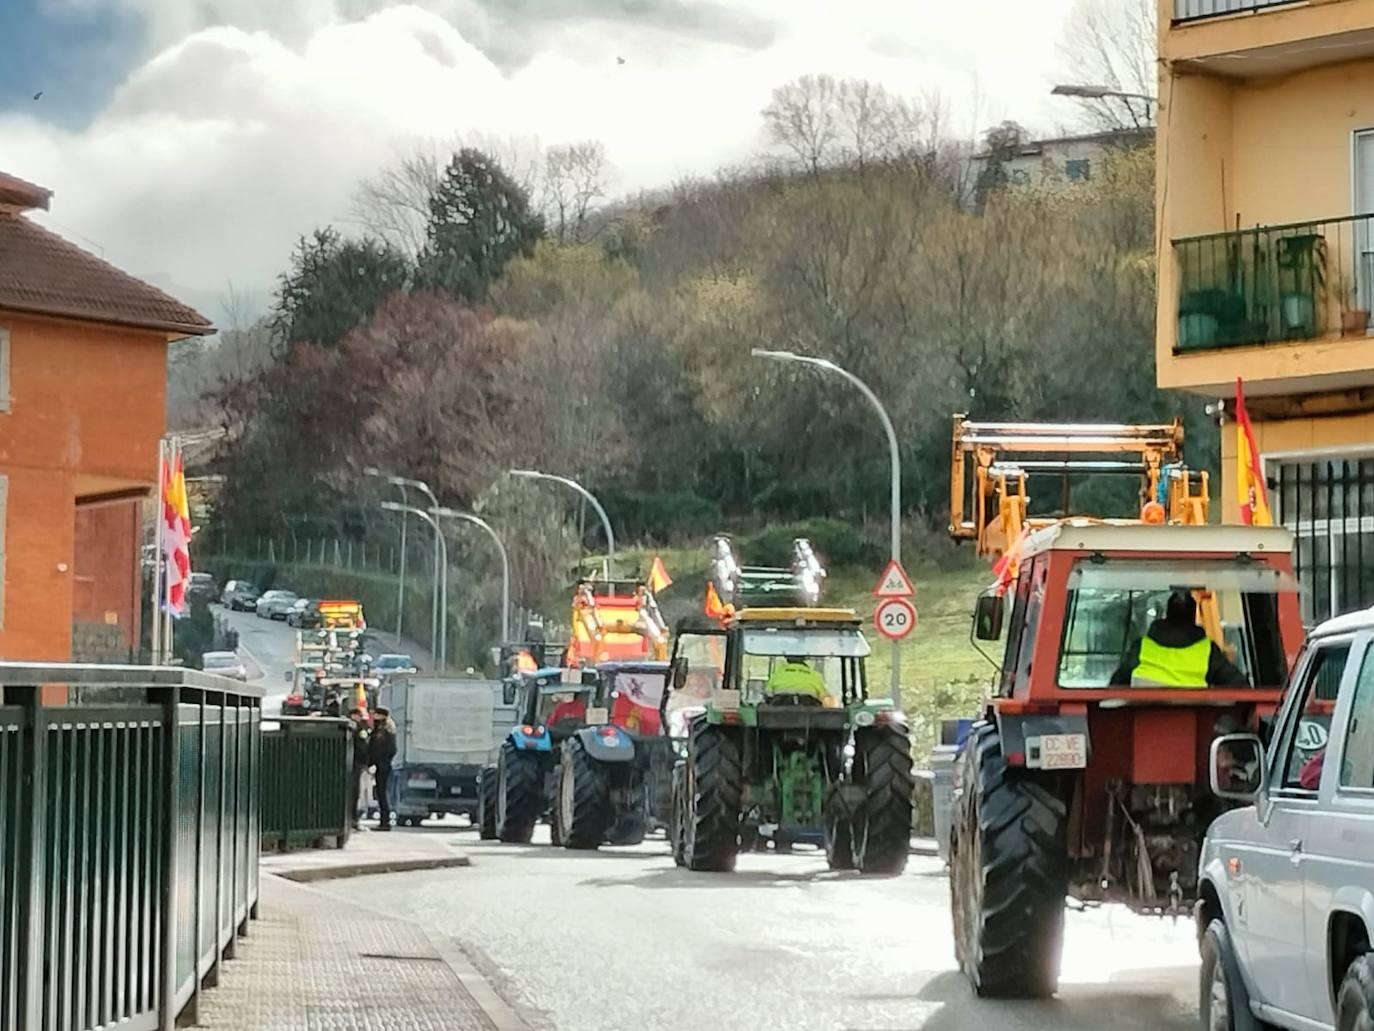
393 205
803 117
1113 43
575 177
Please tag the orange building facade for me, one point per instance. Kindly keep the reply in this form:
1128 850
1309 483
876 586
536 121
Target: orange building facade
83 352
1265 201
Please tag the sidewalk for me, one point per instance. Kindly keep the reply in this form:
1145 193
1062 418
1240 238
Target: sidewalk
316 962
371 852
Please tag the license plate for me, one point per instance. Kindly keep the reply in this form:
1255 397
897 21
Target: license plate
1063 751
423 785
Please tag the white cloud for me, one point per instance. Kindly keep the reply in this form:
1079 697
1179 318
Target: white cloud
232 140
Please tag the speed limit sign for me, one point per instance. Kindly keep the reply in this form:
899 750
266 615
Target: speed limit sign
894 618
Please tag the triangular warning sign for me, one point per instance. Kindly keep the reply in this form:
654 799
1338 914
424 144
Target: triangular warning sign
894 583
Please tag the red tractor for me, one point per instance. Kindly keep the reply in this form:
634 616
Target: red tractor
1083 779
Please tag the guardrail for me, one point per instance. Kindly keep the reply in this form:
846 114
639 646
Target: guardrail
1270 284
128 841
306 761
1193 10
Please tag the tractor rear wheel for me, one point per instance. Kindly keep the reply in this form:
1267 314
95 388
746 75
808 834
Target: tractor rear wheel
584 812
882 833
715 779
839 835
519 794
486 803
677 823
1008 875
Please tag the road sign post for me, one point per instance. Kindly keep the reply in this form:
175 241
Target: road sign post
895 617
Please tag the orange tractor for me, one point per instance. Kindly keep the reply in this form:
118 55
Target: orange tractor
1083 778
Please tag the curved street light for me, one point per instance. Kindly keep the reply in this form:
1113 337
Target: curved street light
440 646
468 517
531 474
894 455
438 613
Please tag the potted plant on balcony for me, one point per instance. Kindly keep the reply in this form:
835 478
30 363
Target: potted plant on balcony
1354 317
1301 261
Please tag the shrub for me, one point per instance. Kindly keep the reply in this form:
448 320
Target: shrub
837 543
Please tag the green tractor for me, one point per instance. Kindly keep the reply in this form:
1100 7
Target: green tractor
786 744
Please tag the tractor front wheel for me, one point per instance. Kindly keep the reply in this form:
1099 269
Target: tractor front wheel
677 823
584 812
839 834
519 794
486 803
715 779
882 834
1008 874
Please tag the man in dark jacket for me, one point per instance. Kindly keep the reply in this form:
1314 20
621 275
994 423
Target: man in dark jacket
1176 652
360 762
381 749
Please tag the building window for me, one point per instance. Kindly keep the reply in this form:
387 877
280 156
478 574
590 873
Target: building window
1079 170
4 369
1328 505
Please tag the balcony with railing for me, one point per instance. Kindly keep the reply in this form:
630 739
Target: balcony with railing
1194 10
1275 284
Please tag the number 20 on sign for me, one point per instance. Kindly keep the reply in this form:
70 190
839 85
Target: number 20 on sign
895 618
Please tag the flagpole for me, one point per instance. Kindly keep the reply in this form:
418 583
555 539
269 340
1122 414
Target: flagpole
155 627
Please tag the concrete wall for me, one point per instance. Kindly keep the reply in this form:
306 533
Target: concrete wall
86 413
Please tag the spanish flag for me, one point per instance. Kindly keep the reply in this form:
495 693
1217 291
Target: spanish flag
715 609
659 580
1250 486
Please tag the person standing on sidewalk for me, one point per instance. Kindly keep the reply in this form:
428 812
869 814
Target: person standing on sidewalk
381 750
360 762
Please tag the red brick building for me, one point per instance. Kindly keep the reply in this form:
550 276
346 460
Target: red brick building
83 366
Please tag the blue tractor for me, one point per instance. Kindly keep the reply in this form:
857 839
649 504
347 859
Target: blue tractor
520 789
615 777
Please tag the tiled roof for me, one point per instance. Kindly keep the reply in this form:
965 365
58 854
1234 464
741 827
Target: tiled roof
41 272
21 193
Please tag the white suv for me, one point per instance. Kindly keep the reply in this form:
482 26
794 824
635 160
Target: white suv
1286 892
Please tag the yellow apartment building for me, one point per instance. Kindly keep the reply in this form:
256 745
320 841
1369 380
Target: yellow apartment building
1266 257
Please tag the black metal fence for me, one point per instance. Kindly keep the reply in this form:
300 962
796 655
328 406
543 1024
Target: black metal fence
1270 284
128 841
1191 10
1328 504
306 761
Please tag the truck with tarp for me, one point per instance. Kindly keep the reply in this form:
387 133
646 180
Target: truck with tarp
447 730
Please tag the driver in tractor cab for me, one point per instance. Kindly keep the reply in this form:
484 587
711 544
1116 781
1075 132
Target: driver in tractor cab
796 677
569 707
1176 652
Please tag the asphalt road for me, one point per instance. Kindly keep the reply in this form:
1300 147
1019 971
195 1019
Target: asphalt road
621 939
269 649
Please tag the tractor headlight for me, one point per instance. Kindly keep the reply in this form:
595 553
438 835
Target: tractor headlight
864 718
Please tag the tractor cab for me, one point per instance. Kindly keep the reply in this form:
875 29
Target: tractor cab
629 695
548 707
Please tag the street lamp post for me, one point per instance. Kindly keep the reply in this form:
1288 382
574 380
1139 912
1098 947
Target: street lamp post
825 365
1089 92
531 474
438 615
440 646
505 564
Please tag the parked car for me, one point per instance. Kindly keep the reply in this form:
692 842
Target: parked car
304 614
226 664
202 588
275 604
240 596
1286 917
390 665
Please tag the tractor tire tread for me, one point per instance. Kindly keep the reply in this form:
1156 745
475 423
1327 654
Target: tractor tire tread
718 776
524 792
592 813
884 839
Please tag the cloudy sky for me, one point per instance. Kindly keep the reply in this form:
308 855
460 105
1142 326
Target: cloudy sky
191 141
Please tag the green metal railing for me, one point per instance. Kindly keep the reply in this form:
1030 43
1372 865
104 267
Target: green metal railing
1270 284
128 842
306 761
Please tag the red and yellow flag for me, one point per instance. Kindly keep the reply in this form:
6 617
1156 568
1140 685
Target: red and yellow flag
176 535
1250 486
715 608
659 580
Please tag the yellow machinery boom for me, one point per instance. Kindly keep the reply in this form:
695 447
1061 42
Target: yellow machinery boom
989 500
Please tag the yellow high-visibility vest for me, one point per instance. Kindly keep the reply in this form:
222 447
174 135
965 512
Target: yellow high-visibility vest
1161 666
